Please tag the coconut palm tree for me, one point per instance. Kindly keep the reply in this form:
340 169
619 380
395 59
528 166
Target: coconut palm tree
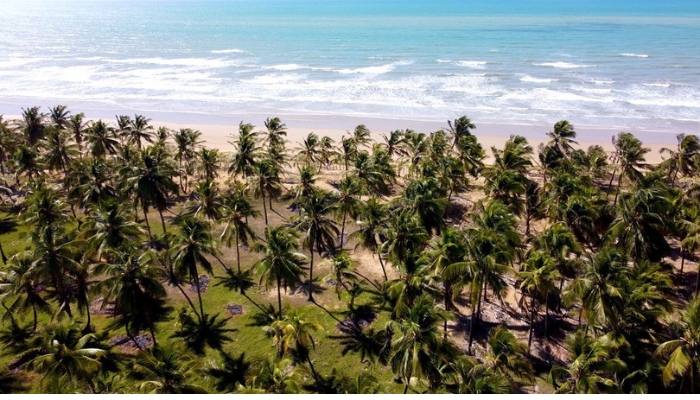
265 183
101 139
186 141
683 352
538 274
273 375
276 131
394 143
206 201
247 154
591 367
188 247
77 127
140 131
166 370
507 354
237 209
684 159
33 125
309 152
280 265
372 218
418 348
151 181
132 284
59 150
630 155
62 351
562 137
109 226
26 161
209 163
461 127
295 333
318 229
22 287
349 202
59 116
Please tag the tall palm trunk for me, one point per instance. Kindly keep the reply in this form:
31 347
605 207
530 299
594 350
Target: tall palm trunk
311 274
2 255
162 221
199 296
311 365
342 228
619 184
131 336
279 294
683 260
379 254
264 207
188 300
532 323
36 320
148 225
546 315
610 183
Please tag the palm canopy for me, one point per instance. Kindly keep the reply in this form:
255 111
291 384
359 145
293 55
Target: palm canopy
684 352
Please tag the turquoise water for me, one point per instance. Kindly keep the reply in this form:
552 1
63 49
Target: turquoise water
613 64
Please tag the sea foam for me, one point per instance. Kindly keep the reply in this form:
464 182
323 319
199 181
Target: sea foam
562 65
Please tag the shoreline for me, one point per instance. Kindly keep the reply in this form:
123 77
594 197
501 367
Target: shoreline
217 129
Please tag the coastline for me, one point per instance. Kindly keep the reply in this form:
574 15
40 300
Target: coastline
217 129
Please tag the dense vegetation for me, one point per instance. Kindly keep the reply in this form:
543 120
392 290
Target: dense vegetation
139 260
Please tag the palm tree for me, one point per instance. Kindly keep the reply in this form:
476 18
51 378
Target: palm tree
150 179
538 274
266 182
295 332
327 152
43 208
237 209
60 116
281 265
26 161
418 349
427 200
592 365
166 370
684 351
209 159
101 139
404 238
247 154
372 217
309 153
349 202
207 201
77 127
186 140
507 354
59 150
20 284
272 376
360 137
342 271
394 143
684 159
630 154
108 226
562 137
276 131
63 351
33 125
188 247
124 126
133 285
461 127
140 131
320 231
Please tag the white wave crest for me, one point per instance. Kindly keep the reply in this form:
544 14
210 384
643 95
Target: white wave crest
528 78
563 65
228 51
472 64
634 55
374 70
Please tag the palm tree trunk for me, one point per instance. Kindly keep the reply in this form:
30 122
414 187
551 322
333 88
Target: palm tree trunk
532 323
408 382
131 336
2 255
153 333
610 183
279 294
238 257
269 200
379 254
199 296
546 315
264 207
162 221
87 311
342 228
36 320
313 370
682 260
311 274
148 225
188 300
222 263
617 191
472 323
697 281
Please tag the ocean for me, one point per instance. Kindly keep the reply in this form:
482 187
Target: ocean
617 64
